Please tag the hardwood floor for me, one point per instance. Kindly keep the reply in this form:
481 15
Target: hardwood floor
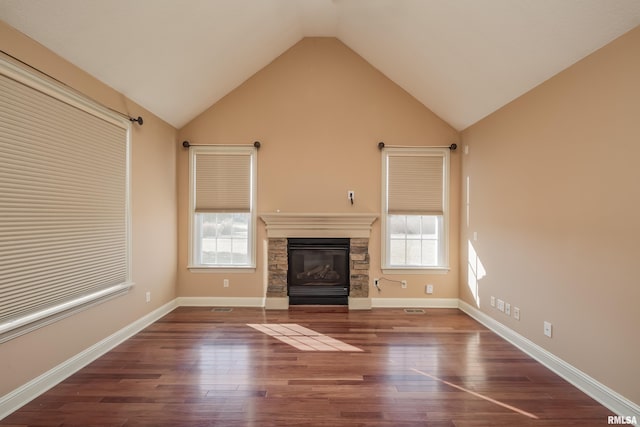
198 367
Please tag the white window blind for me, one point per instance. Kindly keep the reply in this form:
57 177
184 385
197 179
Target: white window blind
64 220
415 184
222 181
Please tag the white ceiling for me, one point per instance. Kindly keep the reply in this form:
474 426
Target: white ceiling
463 59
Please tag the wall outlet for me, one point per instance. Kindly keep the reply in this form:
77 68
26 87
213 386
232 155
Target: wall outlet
225 283
501 305
516 313
404 284
351 195
507 309
148 296
493 301
429 289
547 328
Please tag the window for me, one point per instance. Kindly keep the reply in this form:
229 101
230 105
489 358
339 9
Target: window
222 190
415 201
64 202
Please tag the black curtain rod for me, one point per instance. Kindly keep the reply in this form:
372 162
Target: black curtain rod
451 147
187 144
138 119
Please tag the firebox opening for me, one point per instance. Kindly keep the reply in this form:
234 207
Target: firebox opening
318 271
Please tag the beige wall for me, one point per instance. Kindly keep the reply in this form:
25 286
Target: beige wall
154 219
554 198
319 111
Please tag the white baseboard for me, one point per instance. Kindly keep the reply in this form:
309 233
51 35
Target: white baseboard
414 302
34 388
610 399
220 301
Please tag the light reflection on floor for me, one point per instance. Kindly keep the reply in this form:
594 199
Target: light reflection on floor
302 338
479 395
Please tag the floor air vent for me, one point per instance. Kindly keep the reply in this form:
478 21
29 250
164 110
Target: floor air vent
414 311
221 309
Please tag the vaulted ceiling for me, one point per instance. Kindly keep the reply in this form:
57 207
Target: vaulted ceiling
463 59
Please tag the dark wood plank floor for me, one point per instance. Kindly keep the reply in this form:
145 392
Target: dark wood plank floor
196 367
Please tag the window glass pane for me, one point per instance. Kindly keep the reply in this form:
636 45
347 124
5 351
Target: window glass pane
414 250
239 248
240 225
416 241
429 225
397 255
208 227
397 226
224 252
225 224
429 252
208 257
209 245
413 226
222 238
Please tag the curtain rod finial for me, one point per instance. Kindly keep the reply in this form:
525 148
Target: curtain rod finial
138 120
186 144
380 145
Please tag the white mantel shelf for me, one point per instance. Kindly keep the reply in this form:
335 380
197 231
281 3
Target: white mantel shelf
318 224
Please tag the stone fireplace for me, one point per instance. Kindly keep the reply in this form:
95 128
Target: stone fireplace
352 230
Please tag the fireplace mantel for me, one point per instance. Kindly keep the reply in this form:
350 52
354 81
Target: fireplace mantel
280 225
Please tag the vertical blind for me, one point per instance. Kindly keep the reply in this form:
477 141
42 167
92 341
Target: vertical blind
63 204
222 180
415 184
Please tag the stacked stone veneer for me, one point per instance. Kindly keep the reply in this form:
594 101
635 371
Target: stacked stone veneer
278 265
359 268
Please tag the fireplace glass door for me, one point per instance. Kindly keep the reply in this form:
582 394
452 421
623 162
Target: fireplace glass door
318 271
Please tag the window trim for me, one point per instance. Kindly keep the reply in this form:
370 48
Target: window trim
198 268
32 321
417 151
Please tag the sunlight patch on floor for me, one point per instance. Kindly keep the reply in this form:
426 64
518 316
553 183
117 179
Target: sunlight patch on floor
302 338
479 395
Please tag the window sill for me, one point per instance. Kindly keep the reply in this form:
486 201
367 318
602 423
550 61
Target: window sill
415 270
31 322
226 269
